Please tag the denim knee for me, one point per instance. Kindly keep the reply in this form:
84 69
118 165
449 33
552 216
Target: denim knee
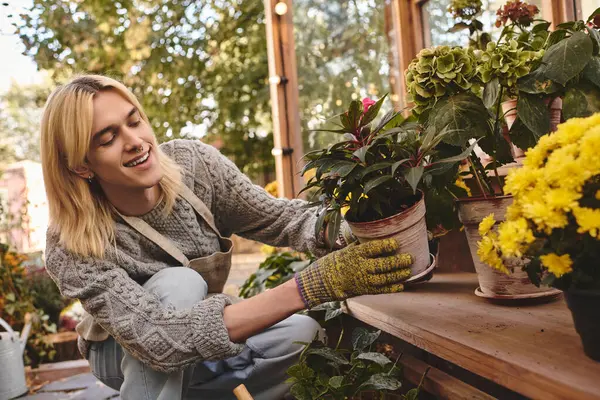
180 286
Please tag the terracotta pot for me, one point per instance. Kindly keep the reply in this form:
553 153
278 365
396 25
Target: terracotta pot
408 227
493 283
585 309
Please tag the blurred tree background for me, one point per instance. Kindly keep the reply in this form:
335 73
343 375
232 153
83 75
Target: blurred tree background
200 68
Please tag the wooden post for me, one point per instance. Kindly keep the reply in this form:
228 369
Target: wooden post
283 81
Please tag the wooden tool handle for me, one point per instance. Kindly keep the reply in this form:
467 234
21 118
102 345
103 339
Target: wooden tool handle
242 393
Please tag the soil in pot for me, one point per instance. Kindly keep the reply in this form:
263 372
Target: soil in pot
408 227
493 283
585 309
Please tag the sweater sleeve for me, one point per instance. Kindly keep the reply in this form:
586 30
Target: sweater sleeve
248 210
166 339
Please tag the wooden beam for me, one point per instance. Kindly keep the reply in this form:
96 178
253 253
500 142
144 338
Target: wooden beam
55 371
283 80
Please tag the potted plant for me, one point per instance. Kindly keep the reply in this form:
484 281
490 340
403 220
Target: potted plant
554 222
466 13
374 174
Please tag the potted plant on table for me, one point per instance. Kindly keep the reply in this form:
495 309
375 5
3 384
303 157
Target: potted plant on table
374 175
554 222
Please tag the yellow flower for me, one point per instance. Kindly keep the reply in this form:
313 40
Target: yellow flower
461 184
486 224
557 265
588 220
488 254
562 199
544 216
514 236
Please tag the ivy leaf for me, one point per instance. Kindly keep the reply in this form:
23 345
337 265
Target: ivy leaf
331 314
300 372
336 381
567 58
329 354
575 104
362 338
375 357
300 392
534 113
381 381
412 394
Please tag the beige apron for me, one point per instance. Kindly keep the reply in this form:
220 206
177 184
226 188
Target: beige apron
214 268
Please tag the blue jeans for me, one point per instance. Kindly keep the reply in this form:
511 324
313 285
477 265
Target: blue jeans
261 366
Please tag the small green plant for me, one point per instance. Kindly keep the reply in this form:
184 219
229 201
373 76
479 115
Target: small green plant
465 13
326 373
277 268
376 169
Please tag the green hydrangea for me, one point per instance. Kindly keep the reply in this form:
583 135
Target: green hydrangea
440 71
465 9
507 62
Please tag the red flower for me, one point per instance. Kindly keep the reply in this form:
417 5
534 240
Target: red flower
367 103
517 11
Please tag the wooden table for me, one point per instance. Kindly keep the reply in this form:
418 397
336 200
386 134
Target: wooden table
533 350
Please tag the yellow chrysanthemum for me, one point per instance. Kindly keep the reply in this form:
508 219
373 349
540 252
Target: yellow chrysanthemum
562 199
520 180
486 224
588 220
461 184
544 216
557 265
488 254
514 236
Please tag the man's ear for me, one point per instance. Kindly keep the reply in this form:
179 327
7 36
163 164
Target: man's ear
84 171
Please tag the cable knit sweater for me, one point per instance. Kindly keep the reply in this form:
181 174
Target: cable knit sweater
110 288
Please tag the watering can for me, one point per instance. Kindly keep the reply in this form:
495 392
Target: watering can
12 370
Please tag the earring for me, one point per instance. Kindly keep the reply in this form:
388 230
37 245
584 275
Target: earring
90 178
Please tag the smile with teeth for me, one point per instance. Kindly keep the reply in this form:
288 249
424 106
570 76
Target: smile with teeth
138 161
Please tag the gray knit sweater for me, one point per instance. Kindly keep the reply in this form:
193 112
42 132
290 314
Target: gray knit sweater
110 288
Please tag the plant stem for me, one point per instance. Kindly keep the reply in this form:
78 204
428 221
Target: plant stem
496 121
476 175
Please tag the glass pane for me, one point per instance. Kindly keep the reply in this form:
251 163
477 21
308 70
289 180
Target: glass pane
587 7
343 53
437 20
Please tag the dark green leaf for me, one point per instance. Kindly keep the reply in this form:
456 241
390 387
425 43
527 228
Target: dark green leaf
536 82
521 136
362 338
575 104
320 222
329 354
387 118
333 226
342 168
375 357
413 176
592 15
556 37
543 26
355 113
591 72
381 381
397 164
373 183
374 167
534 113
301 392
491 92
459 157
463 115
567 58
412 394
477 24
595 36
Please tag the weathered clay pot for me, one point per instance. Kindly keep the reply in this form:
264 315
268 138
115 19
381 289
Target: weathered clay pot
493 283
408 227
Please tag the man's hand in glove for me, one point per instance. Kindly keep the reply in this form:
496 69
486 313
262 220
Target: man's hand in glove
368 268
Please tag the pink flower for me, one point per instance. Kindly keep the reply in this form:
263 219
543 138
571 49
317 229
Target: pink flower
367 103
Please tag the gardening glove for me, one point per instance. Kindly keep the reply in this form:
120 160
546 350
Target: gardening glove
368 268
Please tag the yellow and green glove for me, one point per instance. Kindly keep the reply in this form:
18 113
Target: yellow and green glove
368 268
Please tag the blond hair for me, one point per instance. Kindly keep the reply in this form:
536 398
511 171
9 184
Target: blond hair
80 214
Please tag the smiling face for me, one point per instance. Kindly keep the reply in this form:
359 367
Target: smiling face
122 155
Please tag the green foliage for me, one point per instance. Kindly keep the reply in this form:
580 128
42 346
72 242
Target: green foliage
190 63
277 268
440 72
375 169
18 300
326 373
465 12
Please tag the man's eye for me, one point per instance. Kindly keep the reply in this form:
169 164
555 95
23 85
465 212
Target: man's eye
112 139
